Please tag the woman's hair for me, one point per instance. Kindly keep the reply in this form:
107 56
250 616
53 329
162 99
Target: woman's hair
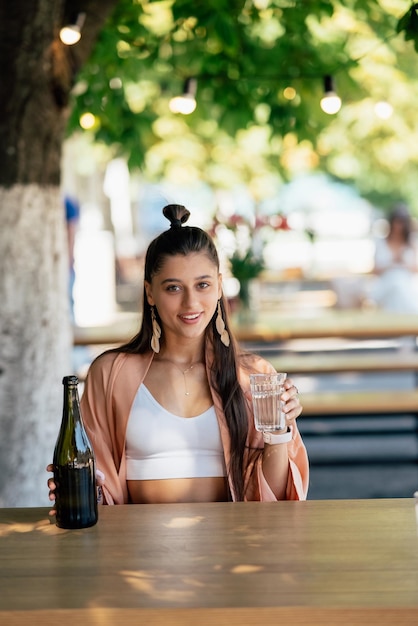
184 240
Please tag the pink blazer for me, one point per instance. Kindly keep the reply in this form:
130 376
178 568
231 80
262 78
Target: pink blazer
111 385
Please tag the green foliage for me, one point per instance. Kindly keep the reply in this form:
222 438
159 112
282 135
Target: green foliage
246 266
408 24
243 58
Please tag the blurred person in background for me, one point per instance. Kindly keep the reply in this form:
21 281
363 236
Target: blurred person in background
395 288
72 217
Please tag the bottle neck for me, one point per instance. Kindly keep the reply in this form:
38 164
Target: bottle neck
71 405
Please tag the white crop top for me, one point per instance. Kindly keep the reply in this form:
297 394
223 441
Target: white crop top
161 445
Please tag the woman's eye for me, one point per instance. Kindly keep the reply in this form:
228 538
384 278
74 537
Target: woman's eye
203 285
173 288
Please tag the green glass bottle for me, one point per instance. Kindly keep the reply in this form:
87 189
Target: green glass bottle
74 466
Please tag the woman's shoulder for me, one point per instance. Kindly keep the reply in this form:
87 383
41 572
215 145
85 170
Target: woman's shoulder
106 359
111 359
254 363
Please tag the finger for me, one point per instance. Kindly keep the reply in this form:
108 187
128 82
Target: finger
291 393
292 408
50 467
288 383
100 477
51 493
52 486
293 412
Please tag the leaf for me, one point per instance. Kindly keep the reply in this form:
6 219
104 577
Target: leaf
226 30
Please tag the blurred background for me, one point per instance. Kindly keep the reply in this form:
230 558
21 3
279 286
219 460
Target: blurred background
317 239
288 129
291 148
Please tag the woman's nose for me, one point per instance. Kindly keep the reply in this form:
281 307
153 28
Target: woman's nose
189 297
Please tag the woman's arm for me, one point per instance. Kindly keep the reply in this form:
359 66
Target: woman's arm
275 460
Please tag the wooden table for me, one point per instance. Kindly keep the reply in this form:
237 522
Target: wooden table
270 327
315 562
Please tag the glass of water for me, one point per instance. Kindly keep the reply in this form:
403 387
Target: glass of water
266 390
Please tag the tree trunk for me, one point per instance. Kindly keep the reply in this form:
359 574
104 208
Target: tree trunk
35 339
38 73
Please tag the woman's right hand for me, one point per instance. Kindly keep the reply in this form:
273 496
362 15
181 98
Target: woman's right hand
51 486
100 479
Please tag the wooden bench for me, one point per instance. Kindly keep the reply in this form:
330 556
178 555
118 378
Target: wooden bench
353 402
378 428
329 363
349 403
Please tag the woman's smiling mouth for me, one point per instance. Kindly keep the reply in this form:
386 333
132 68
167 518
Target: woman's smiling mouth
190 317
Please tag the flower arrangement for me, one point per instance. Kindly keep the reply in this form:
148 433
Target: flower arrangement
245 237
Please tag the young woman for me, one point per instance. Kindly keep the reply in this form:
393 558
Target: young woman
169 414
395 265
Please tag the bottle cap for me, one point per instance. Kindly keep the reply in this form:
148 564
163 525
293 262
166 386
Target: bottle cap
70 380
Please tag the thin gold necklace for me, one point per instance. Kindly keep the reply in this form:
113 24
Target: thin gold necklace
184 372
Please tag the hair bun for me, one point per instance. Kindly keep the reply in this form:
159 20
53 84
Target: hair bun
177 214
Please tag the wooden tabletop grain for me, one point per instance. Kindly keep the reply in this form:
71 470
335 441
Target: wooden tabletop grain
315 562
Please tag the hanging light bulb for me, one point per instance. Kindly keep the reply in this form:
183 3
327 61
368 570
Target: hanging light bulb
383 110
331 102
186 103
71 33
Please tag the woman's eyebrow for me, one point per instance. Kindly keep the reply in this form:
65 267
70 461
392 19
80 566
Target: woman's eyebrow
179 280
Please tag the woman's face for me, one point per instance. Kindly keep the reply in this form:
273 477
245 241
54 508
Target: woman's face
185 293
399 226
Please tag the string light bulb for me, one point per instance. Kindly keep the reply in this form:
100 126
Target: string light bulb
70 34
331 102
383 110
186 103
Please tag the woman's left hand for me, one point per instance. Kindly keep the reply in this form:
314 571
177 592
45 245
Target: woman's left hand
291 404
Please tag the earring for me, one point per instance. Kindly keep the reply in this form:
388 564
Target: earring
156 332
220 327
